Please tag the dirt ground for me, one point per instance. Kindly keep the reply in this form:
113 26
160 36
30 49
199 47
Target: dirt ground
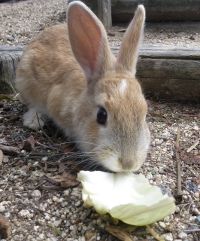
39 195
34 177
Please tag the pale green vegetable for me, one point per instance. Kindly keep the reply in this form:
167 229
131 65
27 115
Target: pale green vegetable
125 196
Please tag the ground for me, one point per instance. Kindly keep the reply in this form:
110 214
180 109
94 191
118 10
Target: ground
38 192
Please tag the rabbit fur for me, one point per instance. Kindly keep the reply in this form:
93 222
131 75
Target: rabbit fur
69 72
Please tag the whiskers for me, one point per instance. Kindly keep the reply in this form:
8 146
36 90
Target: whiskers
81 160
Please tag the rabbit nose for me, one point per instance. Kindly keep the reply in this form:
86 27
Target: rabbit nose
127 164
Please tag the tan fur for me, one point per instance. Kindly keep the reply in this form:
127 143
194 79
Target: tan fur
128 55
68 73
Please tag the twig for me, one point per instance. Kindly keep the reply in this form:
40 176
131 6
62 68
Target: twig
46 146
193 146
41 128
123 30
179 180
192 230
9 150
154 233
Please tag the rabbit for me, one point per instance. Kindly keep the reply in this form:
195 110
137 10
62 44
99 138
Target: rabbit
69 73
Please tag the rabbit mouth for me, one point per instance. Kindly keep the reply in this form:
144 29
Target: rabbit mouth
111 161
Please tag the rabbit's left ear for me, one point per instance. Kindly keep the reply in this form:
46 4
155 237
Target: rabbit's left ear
88 40
128 54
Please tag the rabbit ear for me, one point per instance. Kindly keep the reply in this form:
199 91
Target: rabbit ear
128 54
88 40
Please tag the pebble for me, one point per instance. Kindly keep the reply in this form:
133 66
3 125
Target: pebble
182 235
168 237
41 236
162 224
57 223
45 158
2 208
196 194
66 192
36 194
197 219
25 213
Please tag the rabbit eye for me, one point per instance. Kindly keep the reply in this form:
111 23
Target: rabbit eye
101 116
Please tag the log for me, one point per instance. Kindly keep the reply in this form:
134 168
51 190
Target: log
156 10
170 73
104 12
9 57
163 72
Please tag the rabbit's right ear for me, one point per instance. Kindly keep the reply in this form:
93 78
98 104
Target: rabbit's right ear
128 54
88 40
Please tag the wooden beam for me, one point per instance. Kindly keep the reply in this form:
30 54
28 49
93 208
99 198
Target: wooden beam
163 72
9 57
104 12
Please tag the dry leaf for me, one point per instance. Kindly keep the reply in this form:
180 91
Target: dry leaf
90 235
119 233
154 234
4 228
9 150
65 180
29 144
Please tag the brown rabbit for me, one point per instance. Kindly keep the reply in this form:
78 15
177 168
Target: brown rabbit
69 73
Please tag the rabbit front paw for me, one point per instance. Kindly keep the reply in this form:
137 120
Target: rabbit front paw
32 119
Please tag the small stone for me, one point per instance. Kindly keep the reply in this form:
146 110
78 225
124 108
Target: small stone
198 219
182 235
177 209
41 236
55 199
25 214
168 237
47 217
53 239
2 208
149 176
45 158
36 194
196 127
57 223
196 211
66 193
196 194
162 224
36 228
81 238
192 37
71 228
185 197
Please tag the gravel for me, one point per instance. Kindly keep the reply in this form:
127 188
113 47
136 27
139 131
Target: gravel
22 21
37 208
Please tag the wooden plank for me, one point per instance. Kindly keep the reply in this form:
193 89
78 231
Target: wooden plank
104 12
9 57
163 72
158 51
